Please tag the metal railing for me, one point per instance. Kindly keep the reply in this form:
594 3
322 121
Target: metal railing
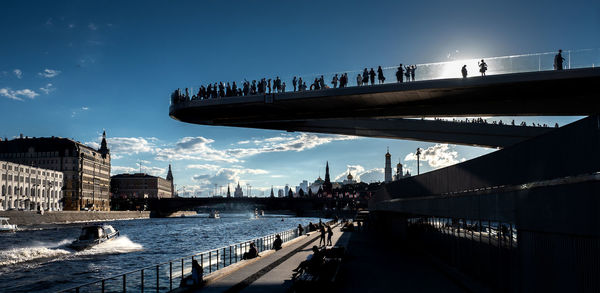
580 58
162 277
486 250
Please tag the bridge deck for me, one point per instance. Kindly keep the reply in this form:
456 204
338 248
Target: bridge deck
568 92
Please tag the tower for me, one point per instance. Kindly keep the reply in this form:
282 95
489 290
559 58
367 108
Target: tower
103 150
272 194
228 191
388 166
170 178
399 171
327 184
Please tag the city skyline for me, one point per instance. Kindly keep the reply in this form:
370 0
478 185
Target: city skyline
73 72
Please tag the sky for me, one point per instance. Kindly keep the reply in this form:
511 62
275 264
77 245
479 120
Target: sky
76 68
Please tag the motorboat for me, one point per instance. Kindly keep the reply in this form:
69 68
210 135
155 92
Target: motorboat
7 227
214 214
94 235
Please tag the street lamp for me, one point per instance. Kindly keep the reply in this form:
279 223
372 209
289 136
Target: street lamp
418 156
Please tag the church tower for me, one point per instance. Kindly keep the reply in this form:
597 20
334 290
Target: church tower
272 194
228 191
399 174
103 150
388 166
327 186
170 178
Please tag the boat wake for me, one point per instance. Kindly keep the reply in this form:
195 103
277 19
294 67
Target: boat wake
52 251
39 251
121 244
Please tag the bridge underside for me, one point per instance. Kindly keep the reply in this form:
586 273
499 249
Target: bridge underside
473 134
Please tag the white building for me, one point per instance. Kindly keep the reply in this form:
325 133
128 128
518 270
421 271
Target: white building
28 188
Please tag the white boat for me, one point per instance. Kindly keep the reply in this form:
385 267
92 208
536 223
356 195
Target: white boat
214 215
94 235
7 227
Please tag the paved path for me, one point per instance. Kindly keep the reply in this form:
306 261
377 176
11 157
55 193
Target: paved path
371 265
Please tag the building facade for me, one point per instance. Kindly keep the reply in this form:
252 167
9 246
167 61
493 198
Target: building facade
238 191
86 171
140 185
28 188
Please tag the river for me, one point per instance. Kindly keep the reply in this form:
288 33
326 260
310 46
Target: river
38 259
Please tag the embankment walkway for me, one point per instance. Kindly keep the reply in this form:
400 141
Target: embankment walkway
370 266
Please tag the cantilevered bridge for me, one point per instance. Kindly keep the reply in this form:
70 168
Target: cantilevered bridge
379 110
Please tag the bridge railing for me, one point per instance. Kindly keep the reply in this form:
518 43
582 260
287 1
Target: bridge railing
580 58
165 276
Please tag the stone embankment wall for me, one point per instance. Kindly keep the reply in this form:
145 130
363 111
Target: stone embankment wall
26 218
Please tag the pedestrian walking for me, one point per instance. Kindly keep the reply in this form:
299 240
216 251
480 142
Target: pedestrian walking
464 71
400 74
482 67
365 77
294 83
380 76
558 61
334 81
329 234
322 239
372 76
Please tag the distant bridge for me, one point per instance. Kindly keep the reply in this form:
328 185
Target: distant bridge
298 205
374 111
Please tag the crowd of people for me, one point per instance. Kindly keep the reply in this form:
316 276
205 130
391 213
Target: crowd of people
269 86
499 122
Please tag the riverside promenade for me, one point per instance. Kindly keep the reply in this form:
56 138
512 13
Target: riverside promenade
370 265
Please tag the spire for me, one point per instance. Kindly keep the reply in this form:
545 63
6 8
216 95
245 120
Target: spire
103 147
228 191
388 167
272 194
170 174
327 184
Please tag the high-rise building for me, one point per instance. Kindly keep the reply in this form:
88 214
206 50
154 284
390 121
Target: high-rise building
238 191
86 170
388 166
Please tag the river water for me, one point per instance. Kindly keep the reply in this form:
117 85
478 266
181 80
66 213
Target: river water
38 260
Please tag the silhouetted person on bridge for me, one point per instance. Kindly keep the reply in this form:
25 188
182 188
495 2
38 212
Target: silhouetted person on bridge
372 76
558 61
283 87
400 74
359 80
329 235
300 230
365 77
464 71
334 81
380 76
482 67
294 81
407 73
412 72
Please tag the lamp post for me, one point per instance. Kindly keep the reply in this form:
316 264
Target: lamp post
418 162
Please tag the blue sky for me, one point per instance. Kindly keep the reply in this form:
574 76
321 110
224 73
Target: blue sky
73 68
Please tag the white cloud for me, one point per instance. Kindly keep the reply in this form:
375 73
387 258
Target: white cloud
223 177
92 26
200 148
372 175
49 73
355 170
76 112
121 146
154 171
18 73
360 174
203 166
71 25
437 156
48 89
18 94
